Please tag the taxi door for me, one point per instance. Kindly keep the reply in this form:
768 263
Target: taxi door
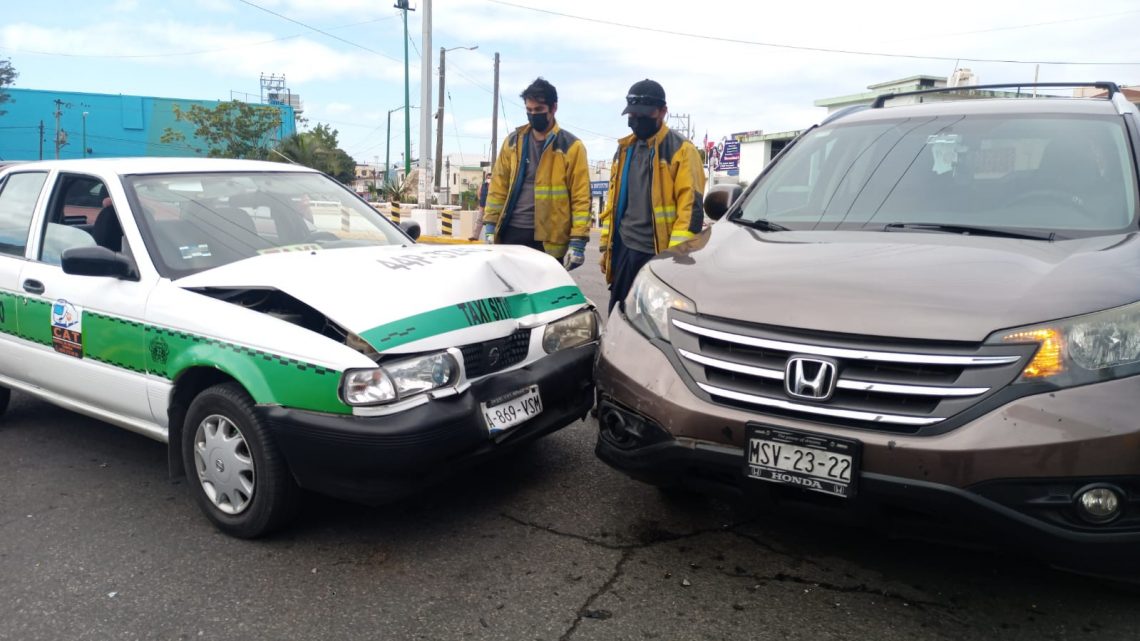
19 196
92 342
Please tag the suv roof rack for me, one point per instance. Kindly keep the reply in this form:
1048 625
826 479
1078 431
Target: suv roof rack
1110 87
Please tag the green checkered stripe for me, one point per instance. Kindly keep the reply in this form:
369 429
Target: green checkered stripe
452 318
159 351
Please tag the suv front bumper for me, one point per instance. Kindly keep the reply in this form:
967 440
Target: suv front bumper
377 459
1006 472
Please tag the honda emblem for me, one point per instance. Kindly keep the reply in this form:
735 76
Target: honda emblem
811 379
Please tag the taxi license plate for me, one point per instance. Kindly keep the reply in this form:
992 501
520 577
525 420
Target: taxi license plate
809 461
509 410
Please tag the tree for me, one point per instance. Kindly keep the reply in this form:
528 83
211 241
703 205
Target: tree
318 149
8 76
233 129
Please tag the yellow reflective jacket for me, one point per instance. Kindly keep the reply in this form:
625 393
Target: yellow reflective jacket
678 182
561 188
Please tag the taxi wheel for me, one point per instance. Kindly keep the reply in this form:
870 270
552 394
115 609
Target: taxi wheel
237 475
5 396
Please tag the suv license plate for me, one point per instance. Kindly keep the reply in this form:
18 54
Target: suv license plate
809 461
509 410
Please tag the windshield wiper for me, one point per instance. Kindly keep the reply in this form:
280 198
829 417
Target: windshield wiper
763 224
971 230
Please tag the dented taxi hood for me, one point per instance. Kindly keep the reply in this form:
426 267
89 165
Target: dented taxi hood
412 298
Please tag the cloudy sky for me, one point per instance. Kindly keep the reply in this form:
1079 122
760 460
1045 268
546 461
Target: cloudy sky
733 65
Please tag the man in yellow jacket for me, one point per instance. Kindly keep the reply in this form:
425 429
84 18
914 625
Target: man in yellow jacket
540 185
655 199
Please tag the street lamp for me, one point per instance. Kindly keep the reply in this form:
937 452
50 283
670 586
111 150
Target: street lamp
439 112
84 134
402 5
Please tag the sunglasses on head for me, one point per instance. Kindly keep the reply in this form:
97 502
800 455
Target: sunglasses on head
652 101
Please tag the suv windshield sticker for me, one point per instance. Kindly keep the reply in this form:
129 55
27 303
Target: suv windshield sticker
470 313
67 328
944 148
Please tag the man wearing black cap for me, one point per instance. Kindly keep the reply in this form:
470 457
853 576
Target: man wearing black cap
655 199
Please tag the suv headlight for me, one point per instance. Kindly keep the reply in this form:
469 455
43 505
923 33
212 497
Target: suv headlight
1082 349
399 379
576 329
648 304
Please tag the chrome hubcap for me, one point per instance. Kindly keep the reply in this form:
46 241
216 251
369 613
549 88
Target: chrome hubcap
225 464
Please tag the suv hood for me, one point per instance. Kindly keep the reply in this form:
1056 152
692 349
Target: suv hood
899 284
412 298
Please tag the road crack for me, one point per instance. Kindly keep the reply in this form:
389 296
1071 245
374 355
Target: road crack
650 535
585 611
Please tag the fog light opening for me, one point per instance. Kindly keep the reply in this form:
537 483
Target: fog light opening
613 422
1099 504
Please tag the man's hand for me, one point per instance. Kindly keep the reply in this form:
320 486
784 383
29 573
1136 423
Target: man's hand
489 234
575 254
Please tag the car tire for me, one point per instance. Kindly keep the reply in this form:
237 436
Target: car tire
5 397
237 475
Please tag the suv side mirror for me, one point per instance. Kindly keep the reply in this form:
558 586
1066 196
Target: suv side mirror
411 228
720 198
97 261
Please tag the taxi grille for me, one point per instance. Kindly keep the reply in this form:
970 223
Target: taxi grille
879 384
488 357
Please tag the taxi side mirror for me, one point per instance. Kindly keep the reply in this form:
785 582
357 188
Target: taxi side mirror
97 261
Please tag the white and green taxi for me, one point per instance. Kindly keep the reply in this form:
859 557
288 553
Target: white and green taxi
277 332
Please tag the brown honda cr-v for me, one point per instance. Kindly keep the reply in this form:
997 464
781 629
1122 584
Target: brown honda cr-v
927 308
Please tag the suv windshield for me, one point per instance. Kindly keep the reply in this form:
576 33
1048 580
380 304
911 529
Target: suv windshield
193 222
1069 175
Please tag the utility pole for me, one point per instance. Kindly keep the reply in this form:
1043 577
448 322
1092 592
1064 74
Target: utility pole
439 117
439 113
495 115
376 171
447 183
403 6
84 134
425 115
60 135
41 140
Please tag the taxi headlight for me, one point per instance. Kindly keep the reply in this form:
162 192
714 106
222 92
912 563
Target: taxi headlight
1082 349
400 379
649 302
574 330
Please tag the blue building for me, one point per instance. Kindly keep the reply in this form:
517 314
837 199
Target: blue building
107 125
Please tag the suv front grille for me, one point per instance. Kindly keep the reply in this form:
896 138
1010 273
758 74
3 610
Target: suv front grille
897 386
488 357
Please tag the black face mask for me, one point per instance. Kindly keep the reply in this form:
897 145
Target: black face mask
643 127
539 122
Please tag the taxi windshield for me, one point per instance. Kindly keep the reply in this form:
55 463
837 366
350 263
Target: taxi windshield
192 222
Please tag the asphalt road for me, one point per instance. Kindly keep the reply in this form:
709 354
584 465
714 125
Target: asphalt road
97 543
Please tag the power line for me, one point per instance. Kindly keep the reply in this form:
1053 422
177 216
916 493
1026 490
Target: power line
775 45
929 36
198 52
320 31
455 124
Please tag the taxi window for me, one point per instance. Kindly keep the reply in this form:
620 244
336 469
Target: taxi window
18 196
